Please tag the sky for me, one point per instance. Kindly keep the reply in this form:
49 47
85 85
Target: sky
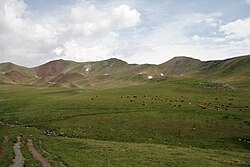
33 32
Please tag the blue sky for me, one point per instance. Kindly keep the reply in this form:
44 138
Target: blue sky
36 31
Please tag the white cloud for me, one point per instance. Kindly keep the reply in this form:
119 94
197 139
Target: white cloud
87 21
87 32
21 38
73 50
90 20
126 17
81 33
247 1
237 29
174 39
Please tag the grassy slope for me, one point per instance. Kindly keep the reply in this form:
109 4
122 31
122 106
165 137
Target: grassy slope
163 132
85 152
130 154
235 70
7 157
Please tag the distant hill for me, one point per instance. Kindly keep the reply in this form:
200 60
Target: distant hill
12 73
233 70
117 73
180 65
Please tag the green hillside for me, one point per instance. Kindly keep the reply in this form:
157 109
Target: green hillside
235 70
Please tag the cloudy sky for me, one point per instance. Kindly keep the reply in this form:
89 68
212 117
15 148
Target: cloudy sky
138 31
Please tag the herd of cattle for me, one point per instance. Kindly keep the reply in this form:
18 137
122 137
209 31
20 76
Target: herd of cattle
181 101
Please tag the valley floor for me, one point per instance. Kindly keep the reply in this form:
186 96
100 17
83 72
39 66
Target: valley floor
169 123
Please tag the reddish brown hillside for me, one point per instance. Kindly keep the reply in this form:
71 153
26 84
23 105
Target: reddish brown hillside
52 68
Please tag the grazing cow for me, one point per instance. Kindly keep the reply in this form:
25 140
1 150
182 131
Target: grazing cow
231 99
217 109
201 106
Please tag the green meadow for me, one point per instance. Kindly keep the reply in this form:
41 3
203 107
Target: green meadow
173 122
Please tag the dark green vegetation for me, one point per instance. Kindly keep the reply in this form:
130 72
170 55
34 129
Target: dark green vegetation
175 121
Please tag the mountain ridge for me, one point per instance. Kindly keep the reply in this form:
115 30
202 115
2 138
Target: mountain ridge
117 59
69 73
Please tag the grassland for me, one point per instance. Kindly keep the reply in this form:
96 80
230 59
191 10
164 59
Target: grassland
156 124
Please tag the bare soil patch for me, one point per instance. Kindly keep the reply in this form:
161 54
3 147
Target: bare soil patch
19 159
45 162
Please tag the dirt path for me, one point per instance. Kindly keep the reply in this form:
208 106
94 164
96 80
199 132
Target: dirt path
4 146
19 159
45 162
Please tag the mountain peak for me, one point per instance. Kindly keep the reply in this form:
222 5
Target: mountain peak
180 65
114 60
183 58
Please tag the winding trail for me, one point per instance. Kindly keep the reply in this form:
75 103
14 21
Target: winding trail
45 162
19 159
4 146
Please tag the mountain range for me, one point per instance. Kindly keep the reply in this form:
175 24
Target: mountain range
118 73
